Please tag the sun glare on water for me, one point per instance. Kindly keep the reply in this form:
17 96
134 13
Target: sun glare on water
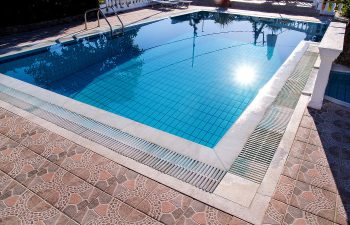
245 75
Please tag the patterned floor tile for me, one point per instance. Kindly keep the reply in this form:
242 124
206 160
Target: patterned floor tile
40 141
314 138
314 200
138 218
165 204
237 221
342 211
18 205
200 213
317 155
19 162
318 176
116 212
303 134
56 185
297 216
298 149
132 187
308 122
5 180
292 166
284 189
275 213
15 127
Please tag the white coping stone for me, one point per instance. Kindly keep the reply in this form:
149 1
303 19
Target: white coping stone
334 37
310 84
223 154
237 189
318 62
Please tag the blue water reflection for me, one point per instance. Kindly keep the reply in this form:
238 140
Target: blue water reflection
191 76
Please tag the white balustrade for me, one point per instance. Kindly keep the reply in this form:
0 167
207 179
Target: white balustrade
330 48
123 5
326 7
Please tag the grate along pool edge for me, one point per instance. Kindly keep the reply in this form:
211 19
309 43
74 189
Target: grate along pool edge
191 171
256 156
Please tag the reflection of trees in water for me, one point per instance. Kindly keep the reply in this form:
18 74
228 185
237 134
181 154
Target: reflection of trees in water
224 19
61 61
69 69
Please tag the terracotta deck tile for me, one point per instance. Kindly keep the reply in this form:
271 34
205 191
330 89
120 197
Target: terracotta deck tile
18 205
342 211
291 167
15 127
303 134
138 218
284 189
298 149
165 204
19 162
43 142
132 187
297 216
314 200
237 221
317 155
315 139
275 213
308 122
318 176
200 213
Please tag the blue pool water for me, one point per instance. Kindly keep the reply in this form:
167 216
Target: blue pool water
191 75
339 86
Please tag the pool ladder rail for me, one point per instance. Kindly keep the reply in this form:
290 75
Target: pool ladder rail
99 12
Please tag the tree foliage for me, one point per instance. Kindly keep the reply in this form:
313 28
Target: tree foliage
34 11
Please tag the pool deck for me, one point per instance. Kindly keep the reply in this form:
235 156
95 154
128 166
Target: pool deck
47 179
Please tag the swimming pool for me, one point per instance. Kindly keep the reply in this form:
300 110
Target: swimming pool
338 86
191 76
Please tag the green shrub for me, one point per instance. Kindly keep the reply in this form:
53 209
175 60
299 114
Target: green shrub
346 8
34 11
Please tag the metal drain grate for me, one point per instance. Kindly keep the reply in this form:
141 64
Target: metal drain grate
191 171
256 156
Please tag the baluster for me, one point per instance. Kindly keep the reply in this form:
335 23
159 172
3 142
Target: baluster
340 7
326 8
333 8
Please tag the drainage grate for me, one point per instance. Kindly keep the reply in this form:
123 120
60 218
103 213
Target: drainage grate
191 171
256 156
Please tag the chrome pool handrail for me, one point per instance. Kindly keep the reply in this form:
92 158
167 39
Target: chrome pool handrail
116 14
98 18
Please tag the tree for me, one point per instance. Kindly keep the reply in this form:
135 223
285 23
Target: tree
344 57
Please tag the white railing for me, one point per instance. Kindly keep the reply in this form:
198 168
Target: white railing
123 5
330 47
327 7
